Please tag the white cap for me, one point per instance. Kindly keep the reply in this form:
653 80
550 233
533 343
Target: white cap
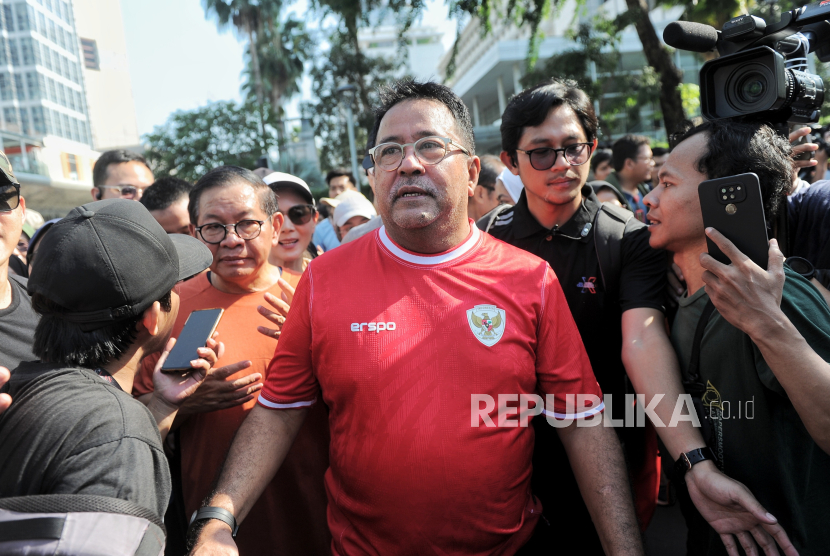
281 179
512 183
352 203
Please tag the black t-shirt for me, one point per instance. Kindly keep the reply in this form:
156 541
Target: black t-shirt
809 224
68 431
17 326
573 257
598 316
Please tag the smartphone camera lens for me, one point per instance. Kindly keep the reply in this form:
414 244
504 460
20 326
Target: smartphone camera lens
723 190
731 196
724 197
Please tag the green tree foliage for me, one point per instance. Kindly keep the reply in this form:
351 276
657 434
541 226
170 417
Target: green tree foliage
193 142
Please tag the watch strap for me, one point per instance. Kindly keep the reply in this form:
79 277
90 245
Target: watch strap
213 512
688 460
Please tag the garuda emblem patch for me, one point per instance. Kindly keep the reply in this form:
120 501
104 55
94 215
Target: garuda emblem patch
487 323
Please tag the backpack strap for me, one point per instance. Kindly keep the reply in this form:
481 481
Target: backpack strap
610 226
488 220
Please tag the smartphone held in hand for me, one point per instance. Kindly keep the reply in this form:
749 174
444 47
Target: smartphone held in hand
198 328
733 206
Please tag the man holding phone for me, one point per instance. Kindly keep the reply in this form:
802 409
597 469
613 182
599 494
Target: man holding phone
74 427
762 354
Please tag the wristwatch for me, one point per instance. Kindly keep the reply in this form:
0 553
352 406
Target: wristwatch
686 461
212 512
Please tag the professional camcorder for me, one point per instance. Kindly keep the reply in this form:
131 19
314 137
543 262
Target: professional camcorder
762 72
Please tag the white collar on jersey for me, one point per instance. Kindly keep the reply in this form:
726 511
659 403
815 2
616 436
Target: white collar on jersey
430 260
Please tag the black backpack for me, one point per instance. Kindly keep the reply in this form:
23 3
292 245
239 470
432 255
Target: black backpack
78 524
611 223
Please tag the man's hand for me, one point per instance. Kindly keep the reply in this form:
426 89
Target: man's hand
5 399
175 388
802 148
217 392
744 294
732 511
215 540
281 306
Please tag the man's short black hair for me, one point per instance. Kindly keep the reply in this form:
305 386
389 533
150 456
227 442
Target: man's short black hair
337 172
60 341
408 89
491 167
224 176
738 147
659 151
628 146
531 107
164 192
600 156
107 159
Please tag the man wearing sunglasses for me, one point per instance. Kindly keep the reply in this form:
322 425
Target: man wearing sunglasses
548 133
120 174
17 318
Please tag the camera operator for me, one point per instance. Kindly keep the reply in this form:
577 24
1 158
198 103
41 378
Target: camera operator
763 352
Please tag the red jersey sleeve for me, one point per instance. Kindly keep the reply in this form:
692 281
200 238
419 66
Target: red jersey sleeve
562 365
290 380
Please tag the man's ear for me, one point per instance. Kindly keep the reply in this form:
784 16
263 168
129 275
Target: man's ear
277 220
510 162
150 319
96 194
474 171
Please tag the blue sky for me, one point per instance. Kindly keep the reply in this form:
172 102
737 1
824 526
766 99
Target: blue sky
180 61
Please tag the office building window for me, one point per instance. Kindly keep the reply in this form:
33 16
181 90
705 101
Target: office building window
37 120
90 49
26 124
41 86
6 91
8 18
67 133
22 11
11 117
32 85
3 48
56 62
27 52
40 26
18 84
14 52
53 95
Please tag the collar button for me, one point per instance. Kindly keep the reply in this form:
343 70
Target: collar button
549 237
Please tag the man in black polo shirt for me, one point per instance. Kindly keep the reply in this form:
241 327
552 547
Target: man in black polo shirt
615 292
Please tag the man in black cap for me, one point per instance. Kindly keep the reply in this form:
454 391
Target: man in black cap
103 288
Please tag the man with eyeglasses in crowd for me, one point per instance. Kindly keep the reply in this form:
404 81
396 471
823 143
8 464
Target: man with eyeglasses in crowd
410 473
120 174
17 318
236 215
548 133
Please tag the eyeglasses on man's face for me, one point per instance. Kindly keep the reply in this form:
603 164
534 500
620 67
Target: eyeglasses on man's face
214 232
544 158
9 197
126 191
429 150
300 214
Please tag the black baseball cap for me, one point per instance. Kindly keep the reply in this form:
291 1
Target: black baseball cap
109 260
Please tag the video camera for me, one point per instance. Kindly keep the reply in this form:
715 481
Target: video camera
762 73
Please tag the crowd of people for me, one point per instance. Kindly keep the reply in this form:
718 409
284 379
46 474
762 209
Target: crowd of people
497 354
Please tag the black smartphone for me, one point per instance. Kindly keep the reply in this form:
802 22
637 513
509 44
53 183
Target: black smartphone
734 207
198 328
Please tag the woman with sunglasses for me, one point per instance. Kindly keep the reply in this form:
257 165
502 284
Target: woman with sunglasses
294 248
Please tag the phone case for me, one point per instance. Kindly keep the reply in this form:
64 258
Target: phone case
734 207
193 335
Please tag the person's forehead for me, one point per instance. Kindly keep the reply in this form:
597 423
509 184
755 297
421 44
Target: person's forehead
287 198
412 119
561 124
128 173
231 198
682 161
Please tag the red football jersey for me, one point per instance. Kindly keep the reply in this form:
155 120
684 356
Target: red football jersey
398 344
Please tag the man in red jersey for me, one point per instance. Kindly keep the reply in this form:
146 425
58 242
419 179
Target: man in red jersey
404 362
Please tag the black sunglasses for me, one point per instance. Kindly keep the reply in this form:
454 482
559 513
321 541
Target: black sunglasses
301 214
9 197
